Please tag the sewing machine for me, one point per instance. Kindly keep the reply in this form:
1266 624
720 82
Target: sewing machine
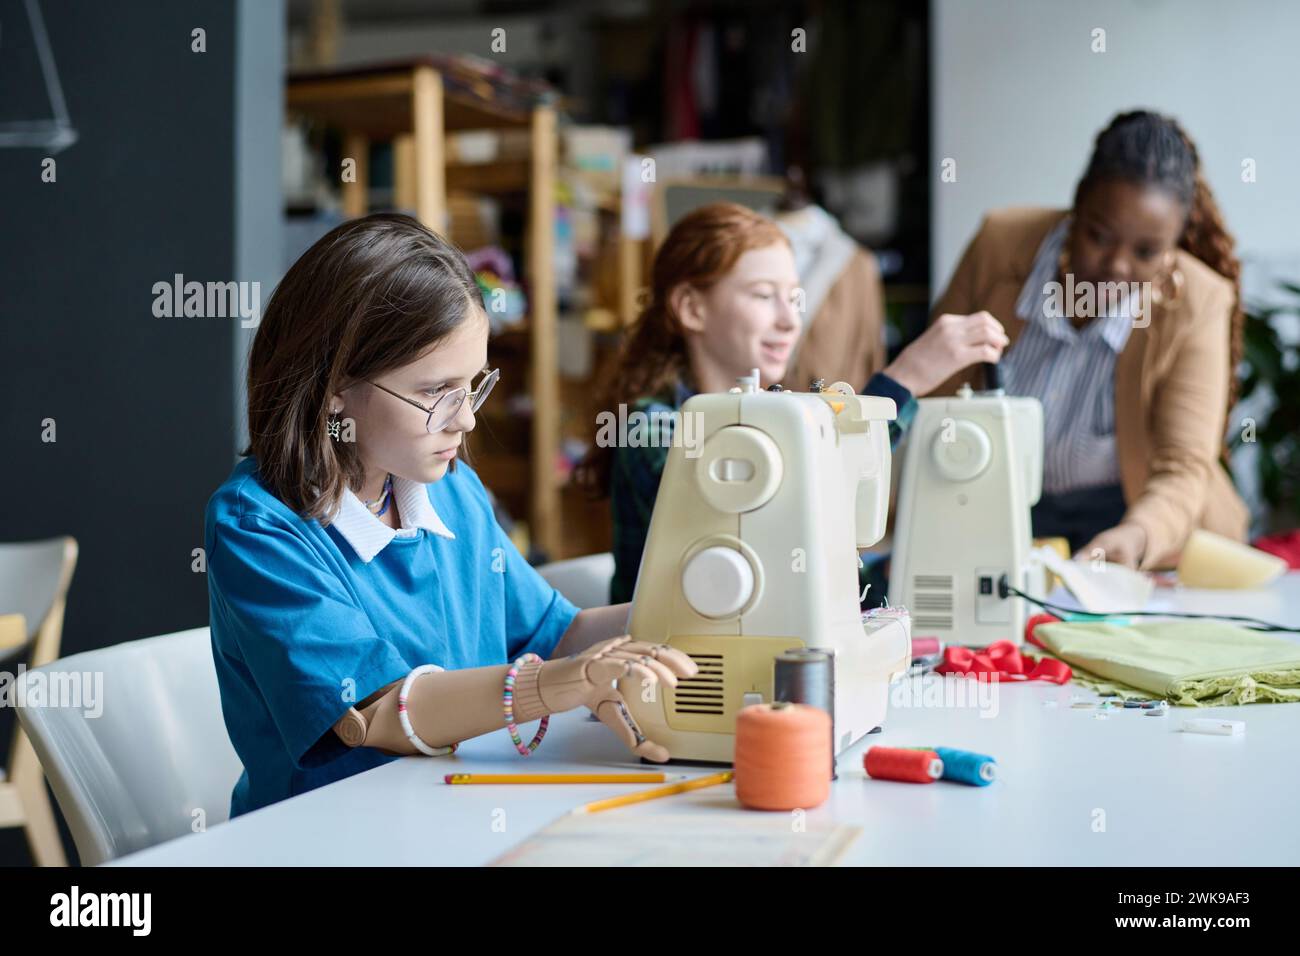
753 550
972 469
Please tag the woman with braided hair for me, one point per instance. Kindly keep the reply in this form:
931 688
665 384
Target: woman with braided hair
1125 321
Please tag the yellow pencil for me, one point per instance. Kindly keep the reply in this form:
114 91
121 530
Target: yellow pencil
697 784
658 777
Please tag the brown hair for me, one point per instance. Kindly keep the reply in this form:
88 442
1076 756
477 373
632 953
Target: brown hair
700 250
371 295
1151 149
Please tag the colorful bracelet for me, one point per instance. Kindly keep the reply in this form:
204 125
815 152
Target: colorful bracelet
508 702
411 735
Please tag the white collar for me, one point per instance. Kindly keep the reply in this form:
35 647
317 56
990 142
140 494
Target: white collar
368 535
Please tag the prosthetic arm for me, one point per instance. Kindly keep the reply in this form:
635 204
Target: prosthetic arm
450 706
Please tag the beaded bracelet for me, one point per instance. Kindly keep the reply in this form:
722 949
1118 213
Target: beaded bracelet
411 735
508 702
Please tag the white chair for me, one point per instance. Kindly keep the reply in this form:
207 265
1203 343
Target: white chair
156 764
584 581
34 581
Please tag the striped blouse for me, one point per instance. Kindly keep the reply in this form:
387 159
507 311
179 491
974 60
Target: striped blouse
1072 372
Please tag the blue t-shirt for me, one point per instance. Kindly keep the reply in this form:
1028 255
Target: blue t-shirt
302 628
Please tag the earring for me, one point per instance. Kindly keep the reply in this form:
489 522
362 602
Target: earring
1172 277
1178 280
333 425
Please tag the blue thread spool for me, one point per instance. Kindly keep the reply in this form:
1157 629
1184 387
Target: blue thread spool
966 767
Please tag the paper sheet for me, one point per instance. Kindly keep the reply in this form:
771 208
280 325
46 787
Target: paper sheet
1104 589
747 838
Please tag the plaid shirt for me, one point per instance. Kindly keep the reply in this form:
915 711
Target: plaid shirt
635 474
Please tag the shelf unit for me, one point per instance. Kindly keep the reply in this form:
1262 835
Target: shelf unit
408 103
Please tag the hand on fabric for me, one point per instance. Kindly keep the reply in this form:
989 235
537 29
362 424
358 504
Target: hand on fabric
588 679
1123 544
950 344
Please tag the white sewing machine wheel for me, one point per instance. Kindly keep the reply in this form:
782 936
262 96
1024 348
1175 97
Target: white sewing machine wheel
717 582
961 452
740 469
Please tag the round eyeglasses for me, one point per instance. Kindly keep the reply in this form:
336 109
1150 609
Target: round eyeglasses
447 407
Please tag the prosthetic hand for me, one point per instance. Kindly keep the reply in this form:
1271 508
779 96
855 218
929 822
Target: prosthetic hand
588 679
451 706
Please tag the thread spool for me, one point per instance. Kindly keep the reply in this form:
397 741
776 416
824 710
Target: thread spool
782 750
905 766
830 709
806 675
963 766
925 646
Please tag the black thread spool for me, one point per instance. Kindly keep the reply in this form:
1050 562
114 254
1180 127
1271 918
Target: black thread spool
806 675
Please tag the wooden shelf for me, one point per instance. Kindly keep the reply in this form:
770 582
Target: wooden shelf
375 100
506 176
512 339
501 473
588 523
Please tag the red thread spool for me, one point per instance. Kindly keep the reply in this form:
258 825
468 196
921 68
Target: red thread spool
782 752
907 766
925 646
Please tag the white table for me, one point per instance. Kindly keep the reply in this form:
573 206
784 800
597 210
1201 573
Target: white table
1168 798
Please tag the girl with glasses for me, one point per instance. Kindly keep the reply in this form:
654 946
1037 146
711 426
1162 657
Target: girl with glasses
364 601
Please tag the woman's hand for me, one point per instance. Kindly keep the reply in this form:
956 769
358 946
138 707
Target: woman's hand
950 344
588 679
1123 544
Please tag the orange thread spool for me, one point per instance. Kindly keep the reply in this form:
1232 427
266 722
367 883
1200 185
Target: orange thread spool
782 752
906 766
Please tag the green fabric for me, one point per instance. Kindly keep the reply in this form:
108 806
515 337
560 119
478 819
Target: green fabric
1190 663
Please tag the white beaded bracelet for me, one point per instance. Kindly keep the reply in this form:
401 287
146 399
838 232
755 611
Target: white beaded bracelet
411 735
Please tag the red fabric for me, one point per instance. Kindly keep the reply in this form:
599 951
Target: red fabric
1285 545
1002 661
1033 622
